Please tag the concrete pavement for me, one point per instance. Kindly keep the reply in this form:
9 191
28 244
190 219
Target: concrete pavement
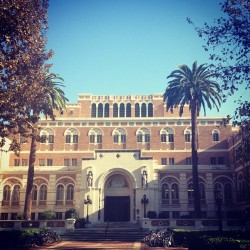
114 245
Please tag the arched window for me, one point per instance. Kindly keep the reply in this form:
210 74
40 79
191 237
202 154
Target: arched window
115 110
100 110
122 110
60 192
6 193
167 135
143 135
143 110
137 110
70 192
47 136
16 193
34 193
93 110
175 191
71 136
164 191
228 192
128 110
119 135
215 134
187 134
43 193
95 136
106 110
150 110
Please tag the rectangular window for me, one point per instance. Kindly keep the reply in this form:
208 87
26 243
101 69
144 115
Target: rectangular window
16 162
163 138
68 139
187 138
92 138
163 161
51 138
171 137
116 138
40 216
213 161
49 162
74 162
13 216
99 138
147 137
66 162
41 162
58 215
33 216
75 138
171 161
123 138
221 160
139 138
24 162
188 161
4 216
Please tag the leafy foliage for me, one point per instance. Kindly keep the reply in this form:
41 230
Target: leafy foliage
48 215
23 24
71 213
194 87
228 42
229 39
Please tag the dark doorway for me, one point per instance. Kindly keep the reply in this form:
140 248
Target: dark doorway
117 208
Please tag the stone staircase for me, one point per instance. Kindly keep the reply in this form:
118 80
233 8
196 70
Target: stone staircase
126 232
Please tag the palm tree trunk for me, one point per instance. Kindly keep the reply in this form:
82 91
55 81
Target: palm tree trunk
30 178
197 205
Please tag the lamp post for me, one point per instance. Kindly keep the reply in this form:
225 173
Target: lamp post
144 201
218 199
87 202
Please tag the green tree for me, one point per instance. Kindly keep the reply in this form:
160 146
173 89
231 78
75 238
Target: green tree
193 87
23 68
51 98
227 41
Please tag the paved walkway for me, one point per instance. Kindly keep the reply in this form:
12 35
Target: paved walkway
114 245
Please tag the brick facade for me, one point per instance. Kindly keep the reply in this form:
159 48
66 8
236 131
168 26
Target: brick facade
127 146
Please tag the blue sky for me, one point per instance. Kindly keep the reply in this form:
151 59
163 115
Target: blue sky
126 46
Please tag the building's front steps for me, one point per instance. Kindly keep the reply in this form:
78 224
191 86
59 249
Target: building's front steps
126 232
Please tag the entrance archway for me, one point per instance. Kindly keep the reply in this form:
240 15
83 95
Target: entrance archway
118 194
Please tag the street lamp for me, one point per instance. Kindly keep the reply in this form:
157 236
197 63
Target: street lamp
87 202
218 199
144 201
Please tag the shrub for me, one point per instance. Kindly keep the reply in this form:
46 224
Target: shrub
71 213
48 215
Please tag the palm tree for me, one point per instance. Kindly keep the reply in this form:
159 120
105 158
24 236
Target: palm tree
193 87
50 98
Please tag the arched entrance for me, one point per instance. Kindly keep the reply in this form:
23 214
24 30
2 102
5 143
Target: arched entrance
118 198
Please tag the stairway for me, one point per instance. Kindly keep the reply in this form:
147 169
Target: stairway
126 232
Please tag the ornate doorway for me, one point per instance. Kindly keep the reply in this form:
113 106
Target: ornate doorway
117 208
117 201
